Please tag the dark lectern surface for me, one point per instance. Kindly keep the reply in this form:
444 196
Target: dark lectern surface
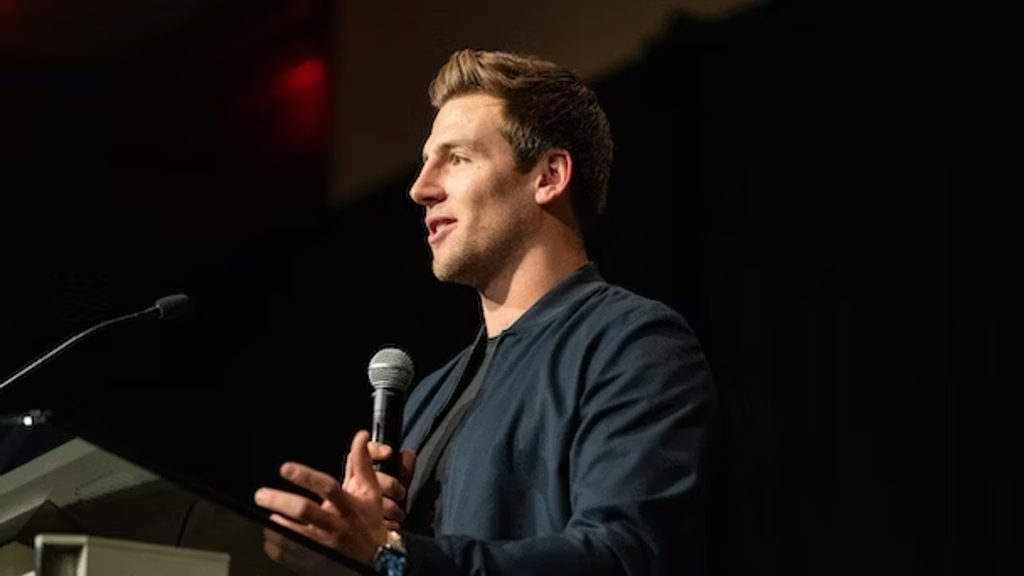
54 480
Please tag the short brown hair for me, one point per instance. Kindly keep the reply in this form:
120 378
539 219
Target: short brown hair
546 106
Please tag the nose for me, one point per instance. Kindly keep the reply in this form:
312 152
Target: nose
427 189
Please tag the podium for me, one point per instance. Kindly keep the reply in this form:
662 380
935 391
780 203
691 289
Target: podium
61 494
80 555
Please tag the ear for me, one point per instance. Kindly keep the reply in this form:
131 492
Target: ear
555 173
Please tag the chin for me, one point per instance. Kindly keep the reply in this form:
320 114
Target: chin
453 271
443 271
440 274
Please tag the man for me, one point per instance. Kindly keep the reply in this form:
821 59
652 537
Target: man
570 437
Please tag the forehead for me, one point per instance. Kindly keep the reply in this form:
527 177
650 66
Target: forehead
475 117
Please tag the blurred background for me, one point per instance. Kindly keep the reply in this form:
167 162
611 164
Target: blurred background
822 191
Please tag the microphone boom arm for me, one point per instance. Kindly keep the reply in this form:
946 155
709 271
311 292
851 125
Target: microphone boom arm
164 307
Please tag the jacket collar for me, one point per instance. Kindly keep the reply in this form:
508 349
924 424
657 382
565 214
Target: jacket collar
584 280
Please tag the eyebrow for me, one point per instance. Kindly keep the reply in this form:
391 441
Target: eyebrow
456 143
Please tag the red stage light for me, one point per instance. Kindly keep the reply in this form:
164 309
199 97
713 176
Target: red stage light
304 97
308 75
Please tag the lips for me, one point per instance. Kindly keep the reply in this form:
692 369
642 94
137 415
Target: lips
438 227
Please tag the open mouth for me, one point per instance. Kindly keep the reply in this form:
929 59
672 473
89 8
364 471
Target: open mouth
437 228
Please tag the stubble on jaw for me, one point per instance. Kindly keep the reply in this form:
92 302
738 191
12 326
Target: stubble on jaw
477 265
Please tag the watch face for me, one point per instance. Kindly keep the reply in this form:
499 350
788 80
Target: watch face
390 563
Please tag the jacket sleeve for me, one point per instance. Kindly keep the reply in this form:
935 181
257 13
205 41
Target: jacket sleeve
636 467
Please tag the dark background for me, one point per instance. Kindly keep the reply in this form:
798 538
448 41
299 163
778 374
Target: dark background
824 193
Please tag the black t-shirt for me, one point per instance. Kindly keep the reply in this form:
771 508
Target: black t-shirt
431 473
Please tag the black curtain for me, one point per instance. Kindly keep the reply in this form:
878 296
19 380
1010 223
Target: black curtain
824 193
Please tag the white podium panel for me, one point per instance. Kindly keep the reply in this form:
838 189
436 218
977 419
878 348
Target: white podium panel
82 555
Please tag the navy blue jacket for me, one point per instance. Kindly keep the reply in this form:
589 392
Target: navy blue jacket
583 452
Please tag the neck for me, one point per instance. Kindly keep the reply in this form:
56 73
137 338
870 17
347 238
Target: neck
514 291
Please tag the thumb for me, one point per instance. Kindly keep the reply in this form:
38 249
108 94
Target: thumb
360 473
379 451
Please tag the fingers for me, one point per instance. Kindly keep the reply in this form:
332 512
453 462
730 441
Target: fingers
391 487
317 482
351 517
394 495
304 529
394 490
298 507
360 477
393 513
406 459
379 451
286 505
407 463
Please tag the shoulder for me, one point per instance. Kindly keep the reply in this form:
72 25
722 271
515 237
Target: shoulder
603 333
639 343
618 313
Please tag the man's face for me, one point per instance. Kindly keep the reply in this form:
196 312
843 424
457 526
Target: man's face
478 206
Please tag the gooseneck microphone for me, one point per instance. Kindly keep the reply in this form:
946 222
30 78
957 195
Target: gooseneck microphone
390 373
163 309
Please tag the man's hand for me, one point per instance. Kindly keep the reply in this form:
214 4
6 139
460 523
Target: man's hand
349 517
394 489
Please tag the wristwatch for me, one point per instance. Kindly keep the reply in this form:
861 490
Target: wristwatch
389 559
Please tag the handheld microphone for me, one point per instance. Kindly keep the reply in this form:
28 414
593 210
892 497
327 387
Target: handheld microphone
390 373
165 308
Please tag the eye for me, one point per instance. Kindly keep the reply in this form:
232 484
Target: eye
457 159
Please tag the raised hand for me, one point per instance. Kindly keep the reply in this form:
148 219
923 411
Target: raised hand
349 517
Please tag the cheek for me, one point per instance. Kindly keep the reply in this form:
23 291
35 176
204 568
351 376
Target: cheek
478 196
487 200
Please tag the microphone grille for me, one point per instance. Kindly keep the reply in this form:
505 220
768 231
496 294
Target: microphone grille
391 368
172 306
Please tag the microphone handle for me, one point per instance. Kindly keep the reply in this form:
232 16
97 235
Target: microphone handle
387 427
34 365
